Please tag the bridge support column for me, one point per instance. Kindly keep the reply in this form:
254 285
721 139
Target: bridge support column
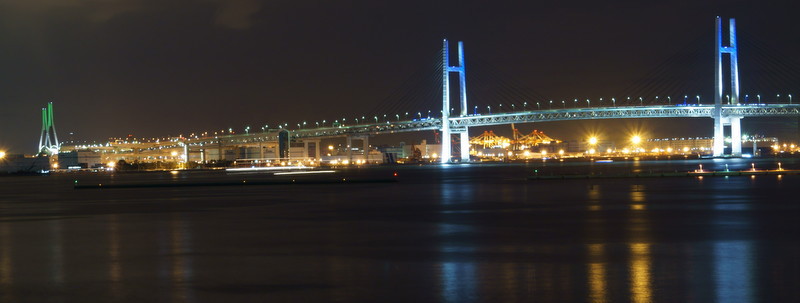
365 142
306 150
736 137
719 135
447 151
349 149
317 156
733 99
465 145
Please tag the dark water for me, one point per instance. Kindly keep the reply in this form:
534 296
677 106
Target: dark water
459 233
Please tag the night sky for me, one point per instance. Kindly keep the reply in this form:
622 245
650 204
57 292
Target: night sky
160 68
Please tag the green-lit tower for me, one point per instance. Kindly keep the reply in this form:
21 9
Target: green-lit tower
48 141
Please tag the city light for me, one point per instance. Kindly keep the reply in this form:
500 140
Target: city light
2 154
636 139
593 140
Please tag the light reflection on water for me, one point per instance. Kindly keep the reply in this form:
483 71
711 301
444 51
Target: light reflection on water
597 273
473 238
457 278
640 272
182 271
114 264
6 266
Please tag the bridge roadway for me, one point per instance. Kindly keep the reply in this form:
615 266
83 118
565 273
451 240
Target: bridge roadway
661 111
562 114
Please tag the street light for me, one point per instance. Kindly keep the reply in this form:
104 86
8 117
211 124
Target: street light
698 99
636 139
614 102
538 106
588 104
551 104
525 105
790 98
759 98
669 100
641 101
592 140
563 104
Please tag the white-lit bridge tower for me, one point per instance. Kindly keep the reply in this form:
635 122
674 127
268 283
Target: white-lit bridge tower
462 86
719 121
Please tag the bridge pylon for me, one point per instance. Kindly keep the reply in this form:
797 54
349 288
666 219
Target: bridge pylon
721 121
48 140
447 131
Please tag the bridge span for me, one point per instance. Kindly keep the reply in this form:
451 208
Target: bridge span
628 112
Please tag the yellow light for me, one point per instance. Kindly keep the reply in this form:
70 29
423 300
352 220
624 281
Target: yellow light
625 150
55 165
111 164
544 152
608 150
636 139
669 149
345 162
330 147
174 154
434 155
685 149
593 140
526 153
2 154
591 151
561 152
510 154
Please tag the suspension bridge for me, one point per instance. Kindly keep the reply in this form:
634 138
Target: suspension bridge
454 122
726 112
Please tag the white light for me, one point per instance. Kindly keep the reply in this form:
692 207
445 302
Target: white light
306 172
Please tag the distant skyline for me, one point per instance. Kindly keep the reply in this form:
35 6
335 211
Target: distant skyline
161 68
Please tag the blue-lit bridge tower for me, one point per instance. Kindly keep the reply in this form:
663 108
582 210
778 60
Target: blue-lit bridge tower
721 121
447 131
